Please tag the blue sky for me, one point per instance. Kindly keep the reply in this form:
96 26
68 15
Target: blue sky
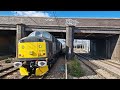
82 14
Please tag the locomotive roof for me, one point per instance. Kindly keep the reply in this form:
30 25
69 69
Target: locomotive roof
42 34
33 39
39 35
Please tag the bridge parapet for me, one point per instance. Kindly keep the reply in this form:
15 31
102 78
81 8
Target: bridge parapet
78 22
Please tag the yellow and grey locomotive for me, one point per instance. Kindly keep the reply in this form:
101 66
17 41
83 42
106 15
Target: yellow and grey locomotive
37 52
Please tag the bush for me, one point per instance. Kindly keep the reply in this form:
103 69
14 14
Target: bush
74 68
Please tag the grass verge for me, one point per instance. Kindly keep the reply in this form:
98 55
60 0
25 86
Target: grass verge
74 68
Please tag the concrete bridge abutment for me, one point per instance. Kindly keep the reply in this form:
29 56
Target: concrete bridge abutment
69 42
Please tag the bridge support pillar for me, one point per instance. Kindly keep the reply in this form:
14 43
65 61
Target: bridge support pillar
20 33
69 42
93 47
115 47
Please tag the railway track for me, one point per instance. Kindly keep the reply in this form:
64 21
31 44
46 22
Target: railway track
7 71
34 77
7 68
13 73
90 65
112 66
10 72
99 70
40 77
109 62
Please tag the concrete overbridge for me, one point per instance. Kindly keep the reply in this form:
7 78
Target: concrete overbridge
104 34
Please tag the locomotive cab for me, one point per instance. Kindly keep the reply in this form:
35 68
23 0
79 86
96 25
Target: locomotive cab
36 53
32 51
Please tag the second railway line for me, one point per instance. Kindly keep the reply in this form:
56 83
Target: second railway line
101 66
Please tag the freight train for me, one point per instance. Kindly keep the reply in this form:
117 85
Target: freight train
37 52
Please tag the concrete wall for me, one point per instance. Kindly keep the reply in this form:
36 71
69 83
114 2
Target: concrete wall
12 44
62 21
4 43
98 48
93 47
101 48
69 42
7 45
106 48
113 47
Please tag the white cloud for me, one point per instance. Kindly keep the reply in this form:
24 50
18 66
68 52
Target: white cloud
31 13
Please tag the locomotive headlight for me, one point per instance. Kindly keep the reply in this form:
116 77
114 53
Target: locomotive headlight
42 63
17 64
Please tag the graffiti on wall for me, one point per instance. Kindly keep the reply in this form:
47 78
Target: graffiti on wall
49 19
71 22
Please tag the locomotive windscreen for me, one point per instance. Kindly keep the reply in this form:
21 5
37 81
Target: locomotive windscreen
43 34
30 39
